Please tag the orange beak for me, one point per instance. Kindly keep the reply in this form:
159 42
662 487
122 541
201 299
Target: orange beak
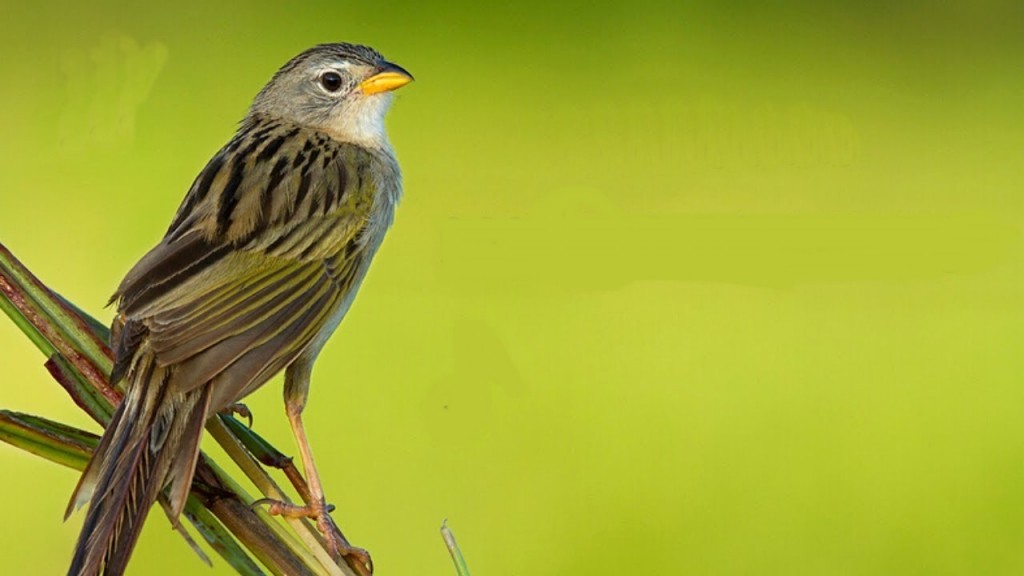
389 77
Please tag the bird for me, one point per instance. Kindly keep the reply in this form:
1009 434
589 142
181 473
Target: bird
258 267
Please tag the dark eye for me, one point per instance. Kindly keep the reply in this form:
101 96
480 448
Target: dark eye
331 81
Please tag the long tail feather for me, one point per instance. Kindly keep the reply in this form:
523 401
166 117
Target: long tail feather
151 433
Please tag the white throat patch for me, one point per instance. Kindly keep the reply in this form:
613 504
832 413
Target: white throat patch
362 121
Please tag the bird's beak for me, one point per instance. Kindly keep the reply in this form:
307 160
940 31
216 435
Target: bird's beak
388 77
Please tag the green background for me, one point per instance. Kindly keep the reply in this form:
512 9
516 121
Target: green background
690 287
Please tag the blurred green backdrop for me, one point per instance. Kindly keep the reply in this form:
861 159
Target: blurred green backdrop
689 287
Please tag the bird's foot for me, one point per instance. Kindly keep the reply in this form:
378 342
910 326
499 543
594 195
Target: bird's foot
240 410
337 546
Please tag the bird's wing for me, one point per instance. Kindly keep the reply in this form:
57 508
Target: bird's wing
265 247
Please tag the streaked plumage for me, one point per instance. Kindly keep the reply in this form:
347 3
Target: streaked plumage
259 265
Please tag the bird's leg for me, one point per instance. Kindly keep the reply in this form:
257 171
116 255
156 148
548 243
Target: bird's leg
296 390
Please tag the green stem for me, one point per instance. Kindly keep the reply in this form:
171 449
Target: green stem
7 299
461 568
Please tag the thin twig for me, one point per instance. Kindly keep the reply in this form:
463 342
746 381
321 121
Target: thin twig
461 568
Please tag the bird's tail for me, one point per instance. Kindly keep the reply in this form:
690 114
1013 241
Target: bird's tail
152 442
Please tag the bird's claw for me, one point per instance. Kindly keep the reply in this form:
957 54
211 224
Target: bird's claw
240 410
337 546
289 510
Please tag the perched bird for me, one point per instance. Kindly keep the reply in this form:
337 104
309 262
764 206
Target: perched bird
258 267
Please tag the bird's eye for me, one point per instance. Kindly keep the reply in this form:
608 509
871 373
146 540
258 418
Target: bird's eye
331 81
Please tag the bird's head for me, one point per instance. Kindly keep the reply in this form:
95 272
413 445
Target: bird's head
341 89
